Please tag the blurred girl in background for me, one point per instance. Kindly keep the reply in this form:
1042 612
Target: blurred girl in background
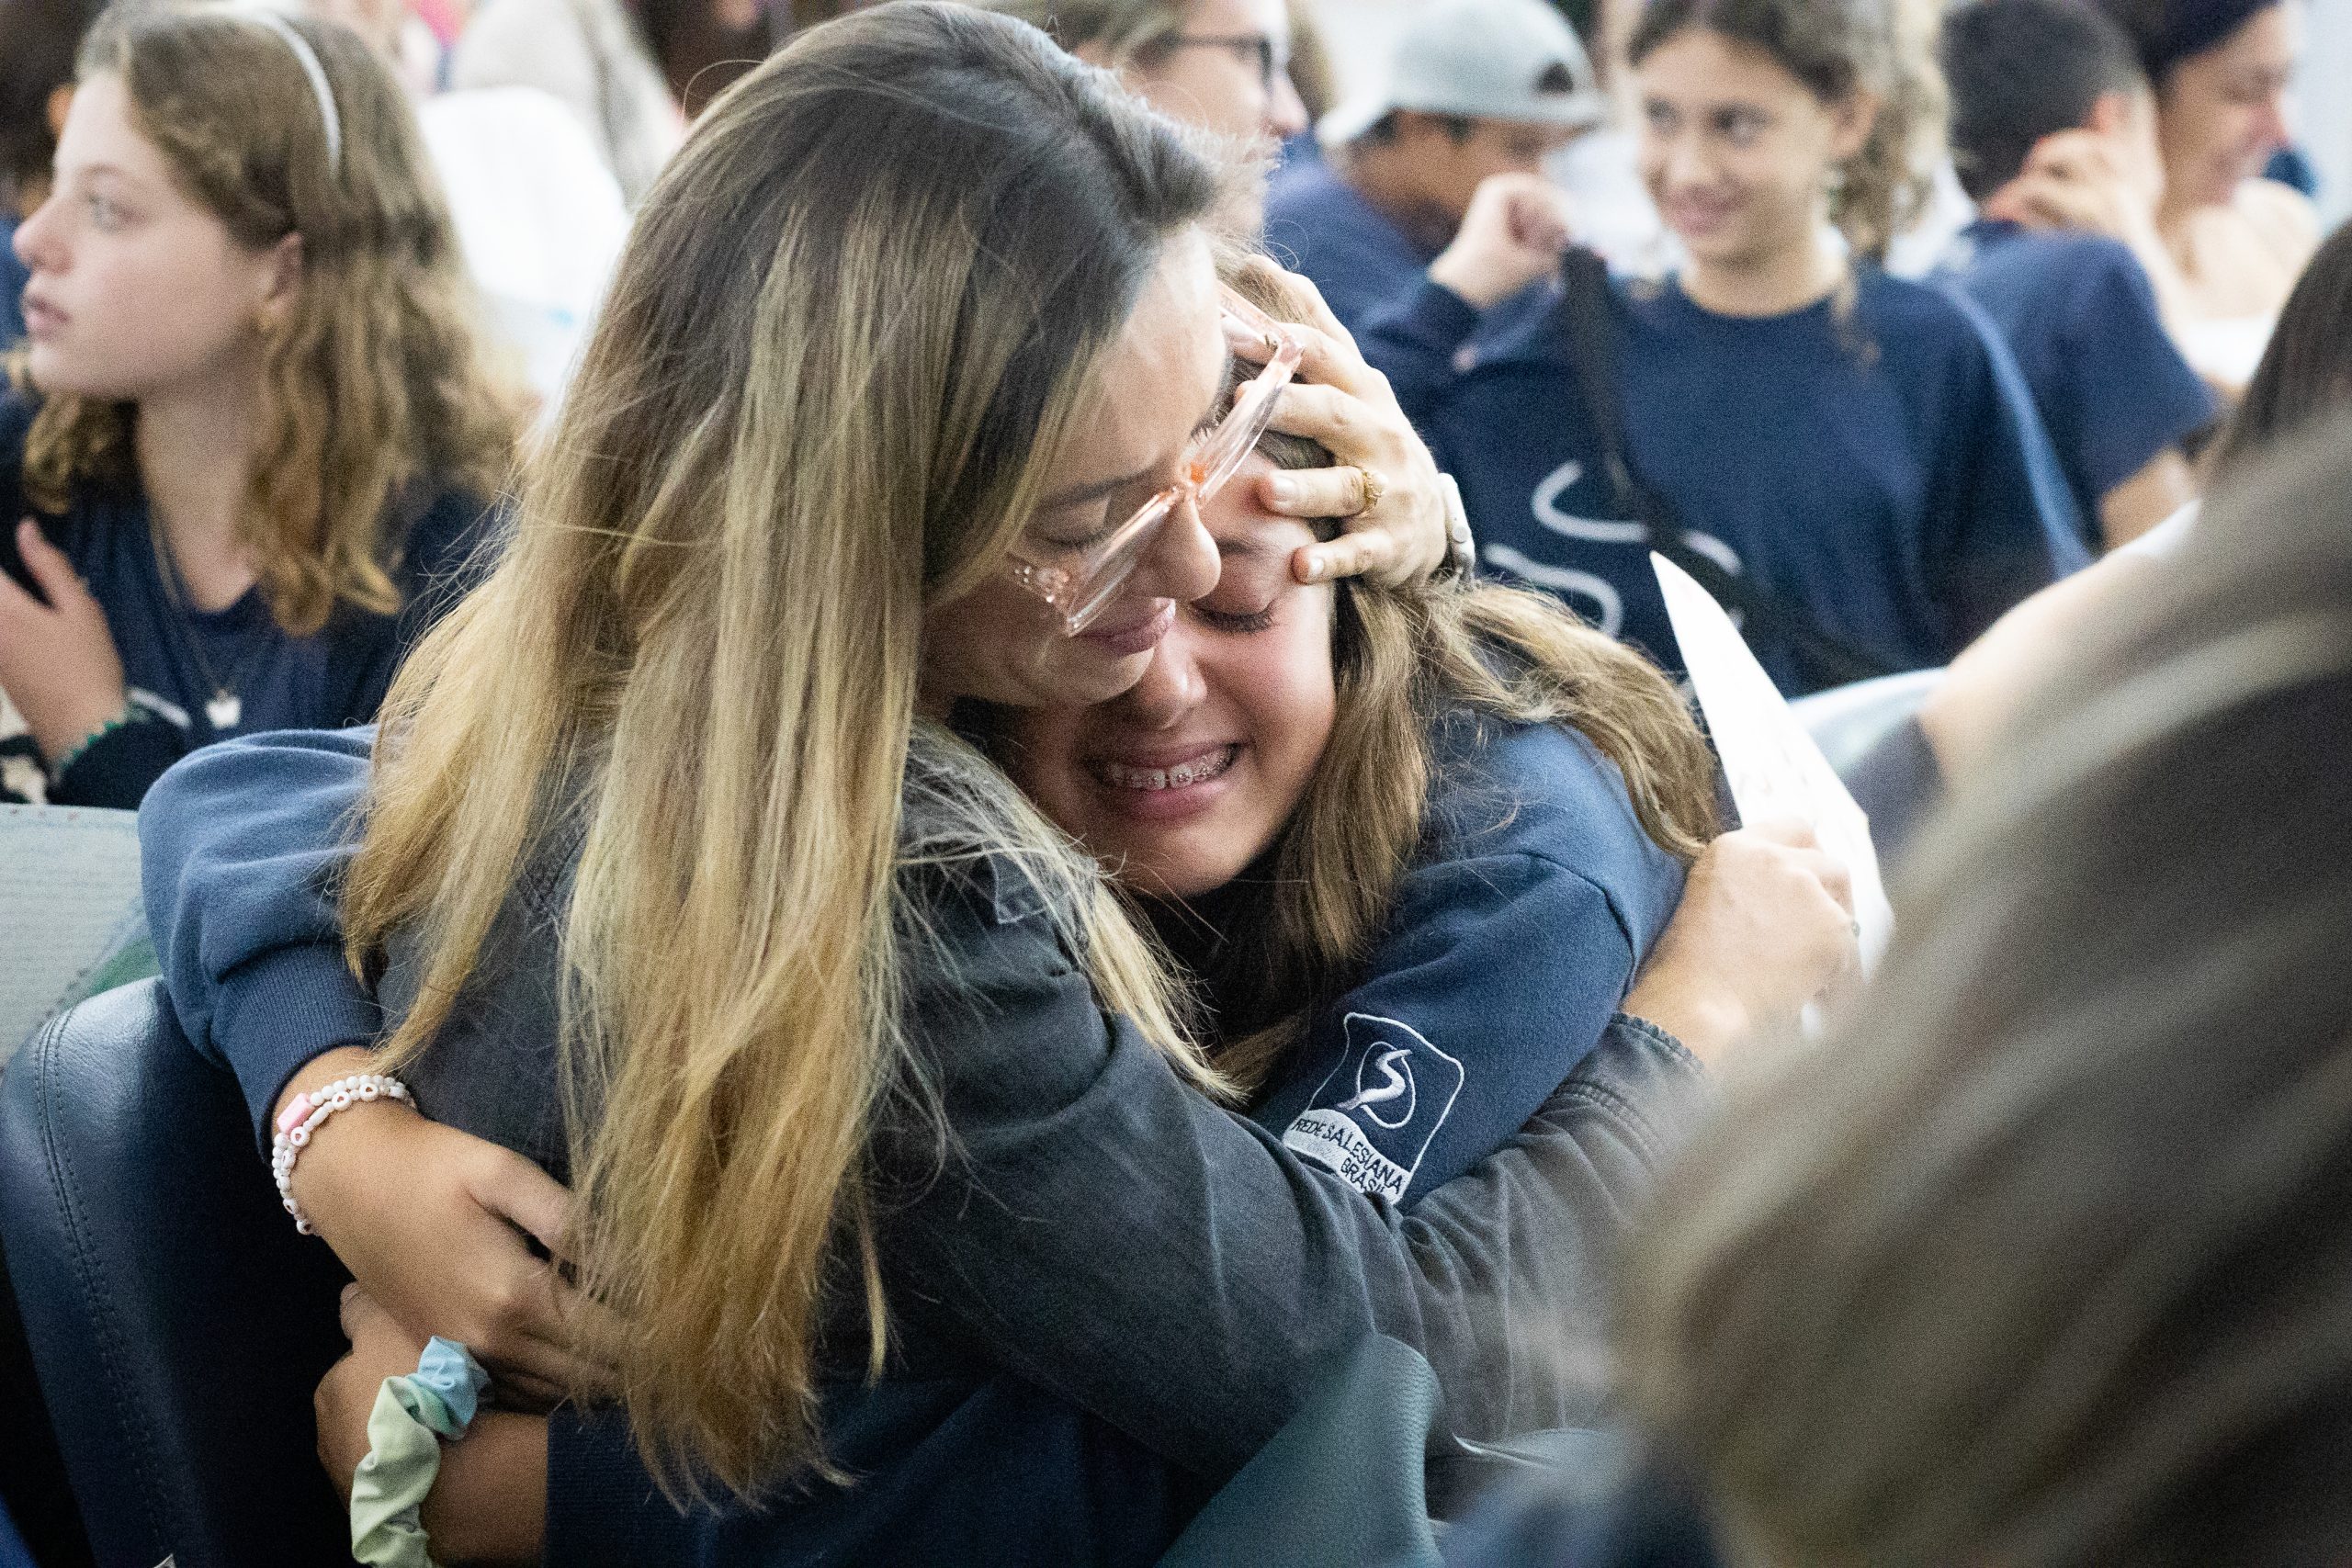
249 430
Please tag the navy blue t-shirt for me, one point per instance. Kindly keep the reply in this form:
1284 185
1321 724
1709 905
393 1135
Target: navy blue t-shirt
1873 461
1358 257
176 659
1515 935
2078 313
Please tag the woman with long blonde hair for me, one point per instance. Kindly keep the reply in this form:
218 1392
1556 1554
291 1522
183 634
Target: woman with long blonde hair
249 425
675 881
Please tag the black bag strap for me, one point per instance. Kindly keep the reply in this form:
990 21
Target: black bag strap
1584 282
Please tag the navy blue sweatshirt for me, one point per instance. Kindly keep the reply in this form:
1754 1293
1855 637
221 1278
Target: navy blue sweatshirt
1877 464
1067 1391
2080 316
175 658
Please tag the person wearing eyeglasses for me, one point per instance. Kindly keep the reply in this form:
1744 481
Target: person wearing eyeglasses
871 1077
1223 65
1433 170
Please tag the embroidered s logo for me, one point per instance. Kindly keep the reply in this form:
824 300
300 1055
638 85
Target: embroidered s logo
1396 1083
1375 1113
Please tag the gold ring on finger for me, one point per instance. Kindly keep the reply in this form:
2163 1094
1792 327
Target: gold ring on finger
1374 487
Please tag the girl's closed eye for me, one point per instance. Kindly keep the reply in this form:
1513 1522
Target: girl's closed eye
1232 623
1072 527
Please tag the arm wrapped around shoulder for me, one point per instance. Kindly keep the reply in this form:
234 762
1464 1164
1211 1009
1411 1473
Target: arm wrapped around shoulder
1105 1231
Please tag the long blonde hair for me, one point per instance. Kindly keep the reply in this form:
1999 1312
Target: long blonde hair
845 340
373 388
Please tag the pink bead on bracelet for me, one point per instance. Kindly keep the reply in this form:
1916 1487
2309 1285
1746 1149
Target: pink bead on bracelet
300 1121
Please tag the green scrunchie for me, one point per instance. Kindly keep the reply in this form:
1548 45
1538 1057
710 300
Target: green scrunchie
412 1413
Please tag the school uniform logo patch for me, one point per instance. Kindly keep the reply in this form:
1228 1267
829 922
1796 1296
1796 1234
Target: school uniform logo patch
1376 1114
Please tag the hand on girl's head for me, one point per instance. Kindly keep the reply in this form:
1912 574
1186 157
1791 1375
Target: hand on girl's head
1341 401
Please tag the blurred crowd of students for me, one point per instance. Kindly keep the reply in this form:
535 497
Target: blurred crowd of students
765 464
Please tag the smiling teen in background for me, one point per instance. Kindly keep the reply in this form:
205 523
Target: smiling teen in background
2222 246
2076 308
1851 456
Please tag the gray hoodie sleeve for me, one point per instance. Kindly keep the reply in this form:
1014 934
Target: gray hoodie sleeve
1113 1236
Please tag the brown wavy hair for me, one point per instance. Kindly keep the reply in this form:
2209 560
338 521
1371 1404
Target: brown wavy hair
373 388
1840 49
1403 658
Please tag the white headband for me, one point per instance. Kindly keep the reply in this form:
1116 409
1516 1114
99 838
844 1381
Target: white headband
308 59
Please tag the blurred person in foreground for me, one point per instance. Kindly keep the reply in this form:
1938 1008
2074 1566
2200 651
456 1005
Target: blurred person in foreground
2042 1261
2039 1260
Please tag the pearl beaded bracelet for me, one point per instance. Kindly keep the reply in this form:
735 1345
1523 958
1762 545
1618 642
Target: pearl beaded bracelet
300 1119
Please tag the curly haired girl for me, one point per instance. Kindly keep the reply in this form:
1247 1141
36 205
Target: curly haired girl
249 428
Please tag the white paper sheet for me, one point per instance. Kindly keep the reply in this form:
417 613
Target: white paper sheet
69 906
1774 767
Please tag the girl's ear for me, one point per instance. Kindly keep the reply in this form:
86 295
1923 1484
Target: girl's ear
60 100
285 282
1850 123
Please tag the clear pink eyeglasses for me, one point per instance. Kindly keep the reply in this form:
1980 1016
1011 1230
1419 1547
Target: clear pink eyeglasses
1081 580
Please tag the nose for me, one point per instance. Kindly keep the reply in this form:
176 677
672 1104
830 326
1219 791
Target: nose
1171 686
1681 162
2275 131
34 243
1180 563
1285 110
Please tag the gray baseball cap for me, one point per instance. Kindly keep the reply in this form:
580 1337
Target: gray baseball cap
1480 59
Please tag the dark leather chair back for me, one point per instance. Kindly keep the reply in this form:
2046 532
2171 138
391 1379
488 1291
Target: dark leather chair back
177 1323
